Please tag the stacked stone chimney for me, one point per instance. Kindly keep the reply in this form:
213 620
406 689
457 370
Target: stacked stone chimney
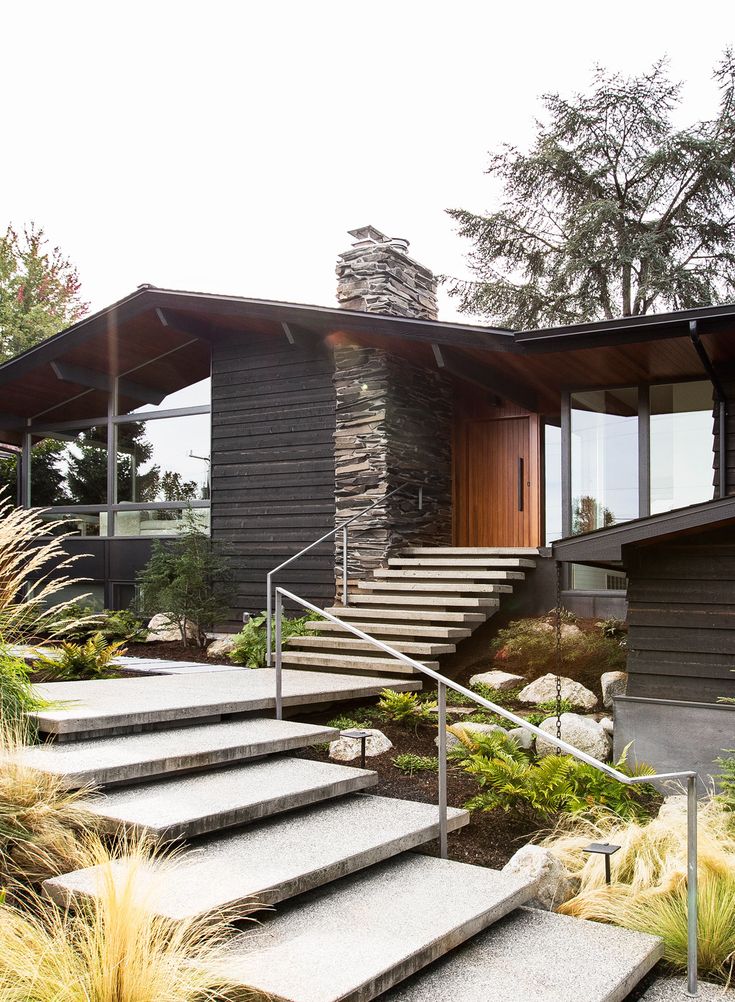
393 418
376 275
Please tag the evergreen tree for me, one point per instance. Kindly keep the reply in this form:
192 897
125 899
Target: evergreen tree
39 290
612 212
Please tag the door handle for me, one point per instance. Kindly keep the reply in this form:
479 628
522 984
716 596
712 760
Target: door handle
520 483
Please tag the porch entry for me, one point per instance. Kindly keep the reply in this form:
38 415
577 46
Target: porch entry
496 483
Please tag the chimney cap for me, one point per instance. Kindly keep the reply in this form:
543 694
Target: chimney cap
369 236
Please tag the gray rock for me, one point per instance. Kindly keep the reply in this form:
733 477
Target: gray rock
348 749
553 883
607 725
500 680
612 683
583 732
161 630
221 648
522 737
544 689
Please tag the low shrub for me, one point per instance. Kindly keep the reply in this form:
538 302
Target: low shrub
410 763
114 948
648 890
405 708
251 648
613 629
358 718
726 779
549 708
528 647
90 660
506 698
17 699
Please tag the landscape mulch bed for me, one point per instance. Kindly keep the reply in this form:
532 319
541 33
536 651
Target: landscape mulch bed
168 651
489 839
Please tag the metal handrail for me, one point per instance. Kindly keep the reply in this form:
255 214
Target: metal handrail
343 527
442 684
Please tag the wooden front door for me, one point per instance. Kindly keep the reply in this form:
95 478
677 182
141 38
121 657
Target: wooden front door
496 482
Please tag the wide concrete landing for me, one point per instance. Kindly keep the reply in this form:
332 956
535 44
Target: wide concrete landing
85 708
277 859
208 801
359 936
538 956
130 757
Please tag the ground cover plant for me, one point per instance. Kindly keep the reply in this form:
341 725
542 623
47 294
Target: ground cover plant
648 890
251 646
410 763
406 708
70 661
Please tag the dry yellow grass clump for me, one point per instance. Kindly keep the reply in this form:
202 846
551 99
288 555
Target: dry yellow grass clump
649 888
114 948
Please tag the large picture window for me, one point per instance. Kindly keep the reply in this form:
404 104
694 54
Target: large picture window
681 445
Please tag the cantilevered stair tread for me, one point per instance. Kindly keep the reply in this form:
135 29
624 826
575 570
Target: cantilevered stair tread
349 642
352 662
353 613
464 563
428 601
209 801
460 574
437 588
469 551
273 860
380 629
130 757
538 956
81 708
361 935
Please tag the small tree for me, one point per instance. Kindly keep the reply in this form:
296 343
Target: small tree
185 581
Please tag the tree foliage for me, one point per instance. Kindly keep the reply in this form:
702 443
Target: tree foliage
613 211
39 290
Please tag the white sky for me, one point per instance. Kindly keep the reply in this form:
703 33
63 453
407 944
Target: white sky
227 146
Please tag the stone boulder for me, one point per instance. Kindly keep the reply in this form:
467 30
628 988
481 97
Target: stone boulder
522 737
583 732
553 883
348 749
567 629
612 683
607 725
469 728
161 630
221 649
544 689
500 680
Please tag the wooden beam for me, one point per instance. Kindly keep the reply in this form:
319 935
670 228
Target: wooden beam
93 379
472 371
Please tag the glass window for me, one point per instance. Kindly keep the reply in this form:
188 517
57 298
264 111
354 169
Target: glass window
586 578
163 460
160 521
604 458
189 396
681 444
70 469
76 523
552 482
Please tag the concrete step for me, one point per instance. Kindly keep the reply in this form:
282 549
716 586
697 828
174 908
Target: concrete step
360 936
385 628
352 614
87 709
130 757
537 956
459 575
187 806
433 601
348 662
436 588
469 551
465 563
355 644
276 859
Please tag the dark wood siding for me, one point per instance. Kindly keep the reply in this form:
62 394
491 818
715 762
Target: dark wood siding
681 617
273 418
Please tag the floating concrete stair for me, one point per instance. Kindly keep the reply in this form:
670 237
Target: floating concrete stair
437 588
87 709
360 936
537 956
354 613
354 643
463 563
209 801
429 601
460 576
377 629
352 662
145 755
486 553
277 859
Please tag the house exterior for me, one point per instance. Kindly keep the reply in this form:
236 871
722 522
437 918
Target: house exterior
272 422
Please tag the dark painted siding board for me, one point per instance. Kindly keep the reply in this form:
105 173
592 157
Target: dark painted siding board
681 617
273 419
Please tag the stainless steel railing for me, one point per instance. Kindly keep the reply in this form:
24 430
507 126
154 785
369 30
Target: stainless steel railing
343 528
443 684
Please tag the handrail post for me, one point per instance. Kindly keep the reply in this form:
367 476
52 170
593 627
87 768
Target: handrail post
692 959
279 655
345 596
268 618
442 722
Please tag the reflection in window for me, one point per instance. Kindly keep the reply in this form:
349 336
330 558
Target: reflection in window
604 458
552 482
161 521
71 469
681 445
164 460
75 523
189 396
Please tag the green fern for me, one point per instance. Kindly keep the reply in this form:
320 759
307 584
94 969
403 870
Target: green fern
406 708
92 659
